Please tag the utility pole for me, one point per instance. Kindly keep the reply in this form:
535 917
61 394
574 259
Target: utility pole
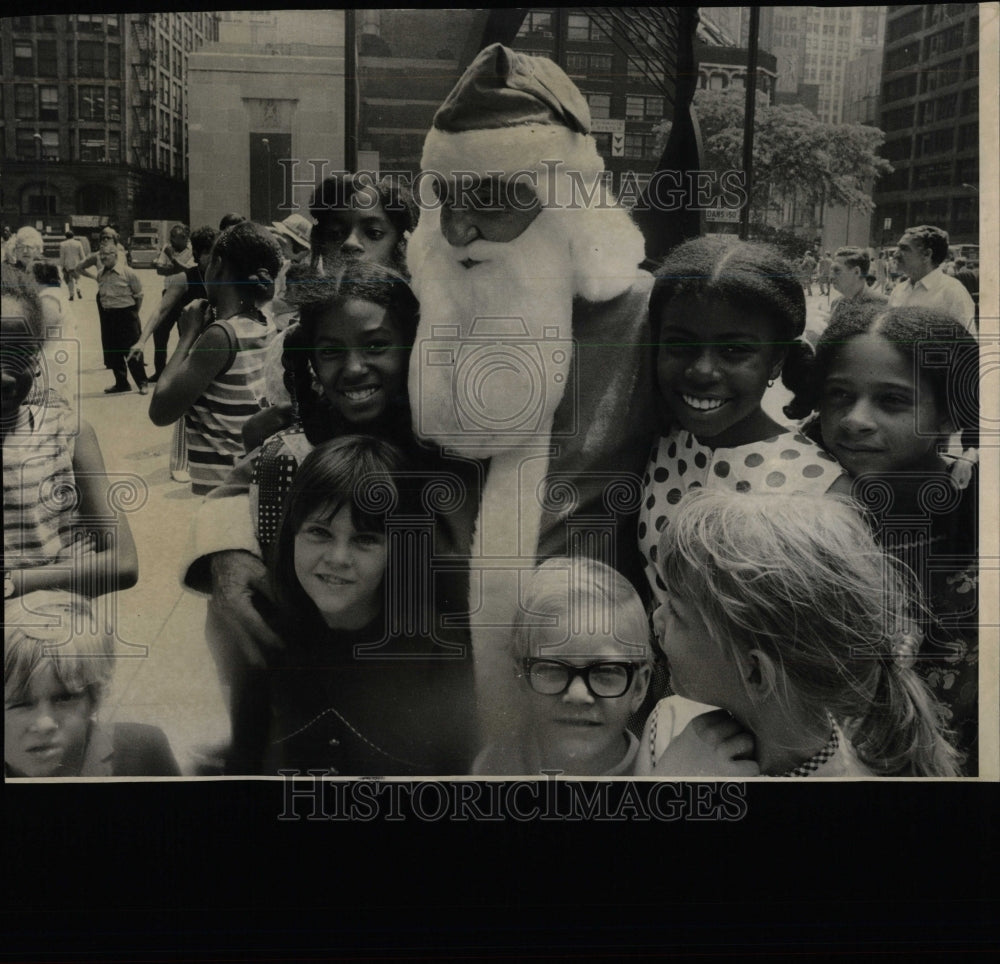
751 106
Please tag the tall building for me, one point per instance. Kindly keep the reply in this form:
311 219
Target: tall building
930 113
266 113
94 117
813 45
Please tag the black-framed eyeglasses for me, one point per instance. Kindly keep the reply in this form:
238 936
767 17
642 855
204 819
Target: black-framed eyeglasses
605 679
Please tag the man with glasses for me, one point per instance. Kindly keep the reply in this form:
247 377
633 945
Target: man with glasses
580 646
921 252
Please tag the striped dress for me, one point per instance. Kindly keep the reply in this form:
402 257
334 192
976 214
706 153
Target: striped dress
39 487
213 424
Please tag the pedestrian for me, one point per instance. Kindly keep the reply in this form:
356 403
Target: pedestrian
849 274
214 379
921 251
176 255
71 253
119 300
824 266
179 292
808 266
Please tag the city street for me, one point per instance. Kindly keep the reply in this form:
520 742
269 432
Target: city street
173 684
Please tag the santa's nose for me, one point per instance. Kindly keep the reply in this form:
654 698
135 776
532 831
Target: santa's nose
459 226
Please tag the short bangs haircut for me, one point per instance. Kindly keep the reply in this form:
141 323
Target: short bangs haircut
61 629
594 597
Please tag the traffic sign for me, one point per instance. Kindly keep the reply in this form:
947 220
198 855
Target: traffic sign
618 145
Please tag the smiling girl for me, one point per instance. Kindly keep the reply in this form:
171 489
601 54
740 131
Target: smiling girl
727 320
890 386
354 695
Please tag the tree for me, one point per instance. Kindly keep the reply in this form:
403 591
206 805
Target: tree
795 154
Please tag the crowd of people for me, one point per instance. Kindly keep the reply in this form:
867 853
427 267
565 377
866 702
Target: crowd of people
487 493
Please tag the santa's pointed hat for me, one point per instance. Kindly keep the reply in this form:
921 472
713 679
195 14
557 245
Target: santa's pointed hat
510 112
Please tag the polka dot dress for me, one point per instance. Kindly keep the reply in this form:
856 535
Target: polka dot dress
679 463
272 476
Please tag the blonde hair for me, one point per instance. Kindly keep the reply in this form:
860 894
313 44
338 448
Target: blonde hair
594 597
59 629
801 580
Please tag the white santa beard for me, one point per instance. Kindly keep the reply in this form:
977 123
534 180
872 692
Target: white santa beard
490 401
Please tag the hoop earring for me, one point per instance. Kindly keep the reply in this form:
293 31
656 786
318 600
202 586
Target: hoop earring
770 383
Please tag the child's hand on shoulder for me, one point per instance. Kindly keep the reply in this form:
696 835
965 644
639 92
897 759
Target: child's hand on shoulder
711 745
193 319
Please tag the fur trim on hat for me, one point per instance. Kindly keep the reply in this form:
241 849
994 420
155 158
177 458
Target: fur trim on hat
508 150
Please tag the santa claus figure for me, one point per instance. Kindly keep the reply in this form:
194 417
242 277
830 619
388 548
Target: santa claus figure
532 354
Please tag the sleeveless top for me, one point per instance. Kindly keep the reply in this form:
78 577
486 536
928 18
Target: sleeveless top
678 463
214 422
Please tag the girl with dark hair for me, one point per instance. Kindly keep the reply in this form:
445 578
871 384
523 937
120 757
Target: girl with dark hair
357 221
727 320
346 365
364 687
214 380
890 386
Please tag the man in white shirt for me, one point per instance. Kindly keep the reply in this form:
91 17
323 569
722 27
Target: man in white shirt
922 250
71 253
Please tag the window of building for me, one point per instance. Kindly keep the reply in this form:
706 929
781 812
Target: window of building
48 103
946 40
578 27
943 76
967 171
91 101
899 88
576 64
600 105
898 180
114 147
932 175
24 59
46 23
600 63
25 145
24 102
640 146
970 101
968 136
898 119
898 150
48 60
38 201
904 26
50 145
112 24
92 145
90 58
114 104
935 142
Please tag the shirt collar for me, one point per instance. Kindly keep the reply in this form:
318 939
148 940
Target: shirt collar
931 280
117 269
97 761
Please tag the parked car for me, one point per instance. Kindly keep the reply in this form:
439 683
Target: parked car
142 250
